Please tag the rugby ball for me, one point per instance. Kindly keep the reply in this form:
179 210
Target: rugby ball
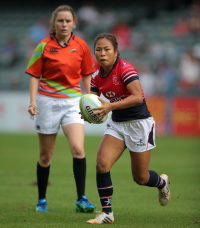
87 103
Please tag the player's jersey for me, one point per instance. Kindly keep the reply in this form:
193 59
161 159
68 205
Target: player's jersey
60 69
113 87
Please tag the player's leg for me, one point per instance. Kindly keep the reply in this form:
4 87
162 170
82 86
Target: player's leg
47 124
75 134
110 150
143 176
140 143
73 128
46 143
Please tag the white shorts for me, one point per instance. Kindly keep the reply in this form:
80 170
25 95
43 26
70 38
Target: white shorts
54 112
138 135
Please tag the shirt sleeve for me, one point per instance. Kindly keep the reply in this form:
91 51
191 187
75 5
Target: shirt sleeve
94 82
87 66
35 65
129 74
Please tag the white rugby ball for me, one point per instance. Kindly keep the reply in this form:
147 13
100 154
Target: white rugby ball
87 103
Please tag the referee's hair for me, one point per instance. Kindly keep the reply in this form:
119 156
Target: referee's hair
109 37
55 13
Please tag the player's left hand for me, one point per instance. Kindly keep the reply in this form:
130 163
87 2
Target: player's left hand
103 110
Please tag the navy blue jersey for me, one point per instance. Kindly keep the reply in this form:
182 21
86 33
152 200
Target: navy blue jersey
113 87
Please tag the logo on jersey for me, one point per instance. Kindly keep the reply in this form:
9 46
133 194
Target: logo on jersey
115 80
73 50
114 99
123 64
95 74
110 94
53 51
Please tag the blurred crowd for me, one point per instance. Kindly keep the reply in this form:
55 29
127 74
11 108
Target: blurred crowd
165 67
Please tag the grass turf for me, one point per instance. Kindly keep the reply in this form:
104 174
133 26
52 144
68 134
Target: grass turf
133 205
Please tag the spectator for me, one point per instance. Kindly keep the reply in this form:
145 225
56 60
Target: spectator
165 78
147 79
140 42
10 55
123 34
181 28
36 32
88 14
195 17
109 17
189 71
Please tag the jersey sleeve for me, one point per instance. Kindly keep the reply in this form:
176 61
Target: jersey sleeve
87 66
128 74
35 65
94 82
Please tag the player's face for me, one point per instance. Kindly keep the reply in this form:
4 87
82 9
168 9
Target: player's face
105 53
64 23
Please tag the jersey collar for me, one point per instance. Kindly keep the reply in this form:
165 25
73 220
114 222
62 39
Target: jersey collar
114 65
71 37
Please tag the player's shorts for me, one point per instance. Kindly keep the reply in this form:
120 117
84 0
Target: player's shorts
54 112
138 135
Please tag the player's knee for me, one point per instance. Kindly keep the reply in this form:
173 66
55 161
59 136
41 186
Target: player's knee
101 166
140 179
45 160
77 151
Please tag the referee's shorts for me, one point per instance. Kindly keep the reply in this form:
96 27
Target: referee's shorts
55 112
138 135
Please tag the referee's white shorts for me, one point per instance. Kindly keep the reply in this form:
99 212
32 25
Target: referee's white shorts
138 135
54 112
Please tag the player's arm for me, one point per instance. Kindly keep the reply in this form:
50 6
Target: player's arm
86 82
135 98
96 93
33 92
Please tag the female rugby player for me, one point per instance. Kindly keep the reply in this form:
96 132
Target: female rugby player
130 126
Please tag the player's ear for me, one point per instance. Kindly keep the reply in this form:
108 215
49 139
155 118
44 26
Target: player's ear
116 53
74 25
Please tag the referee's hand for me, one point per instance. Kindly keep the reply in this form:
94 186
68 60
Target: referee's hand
32 109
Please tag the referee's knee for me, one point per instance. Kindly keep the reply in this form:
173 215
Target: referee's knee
77 151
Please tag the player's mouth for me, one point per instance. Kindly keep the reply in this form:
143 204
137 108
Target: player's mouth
103 60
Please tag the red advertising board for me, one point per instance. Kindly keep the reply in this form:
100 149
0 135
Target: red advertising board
175 116
157 107
186 116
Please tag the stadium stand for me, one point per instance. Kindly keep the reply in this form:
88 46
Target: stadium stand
153 39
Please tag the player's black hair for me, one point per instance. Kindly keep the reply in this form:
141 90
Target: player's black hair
56 11
109 37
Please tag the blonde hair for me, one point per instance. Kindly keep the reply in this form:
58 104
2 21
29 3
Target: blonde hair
55 13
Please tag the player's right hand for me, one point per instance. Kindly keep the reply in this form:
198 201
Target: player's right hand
82 117
32 109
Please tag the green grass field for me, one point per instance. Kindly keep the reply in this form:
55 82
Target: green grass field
133 205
